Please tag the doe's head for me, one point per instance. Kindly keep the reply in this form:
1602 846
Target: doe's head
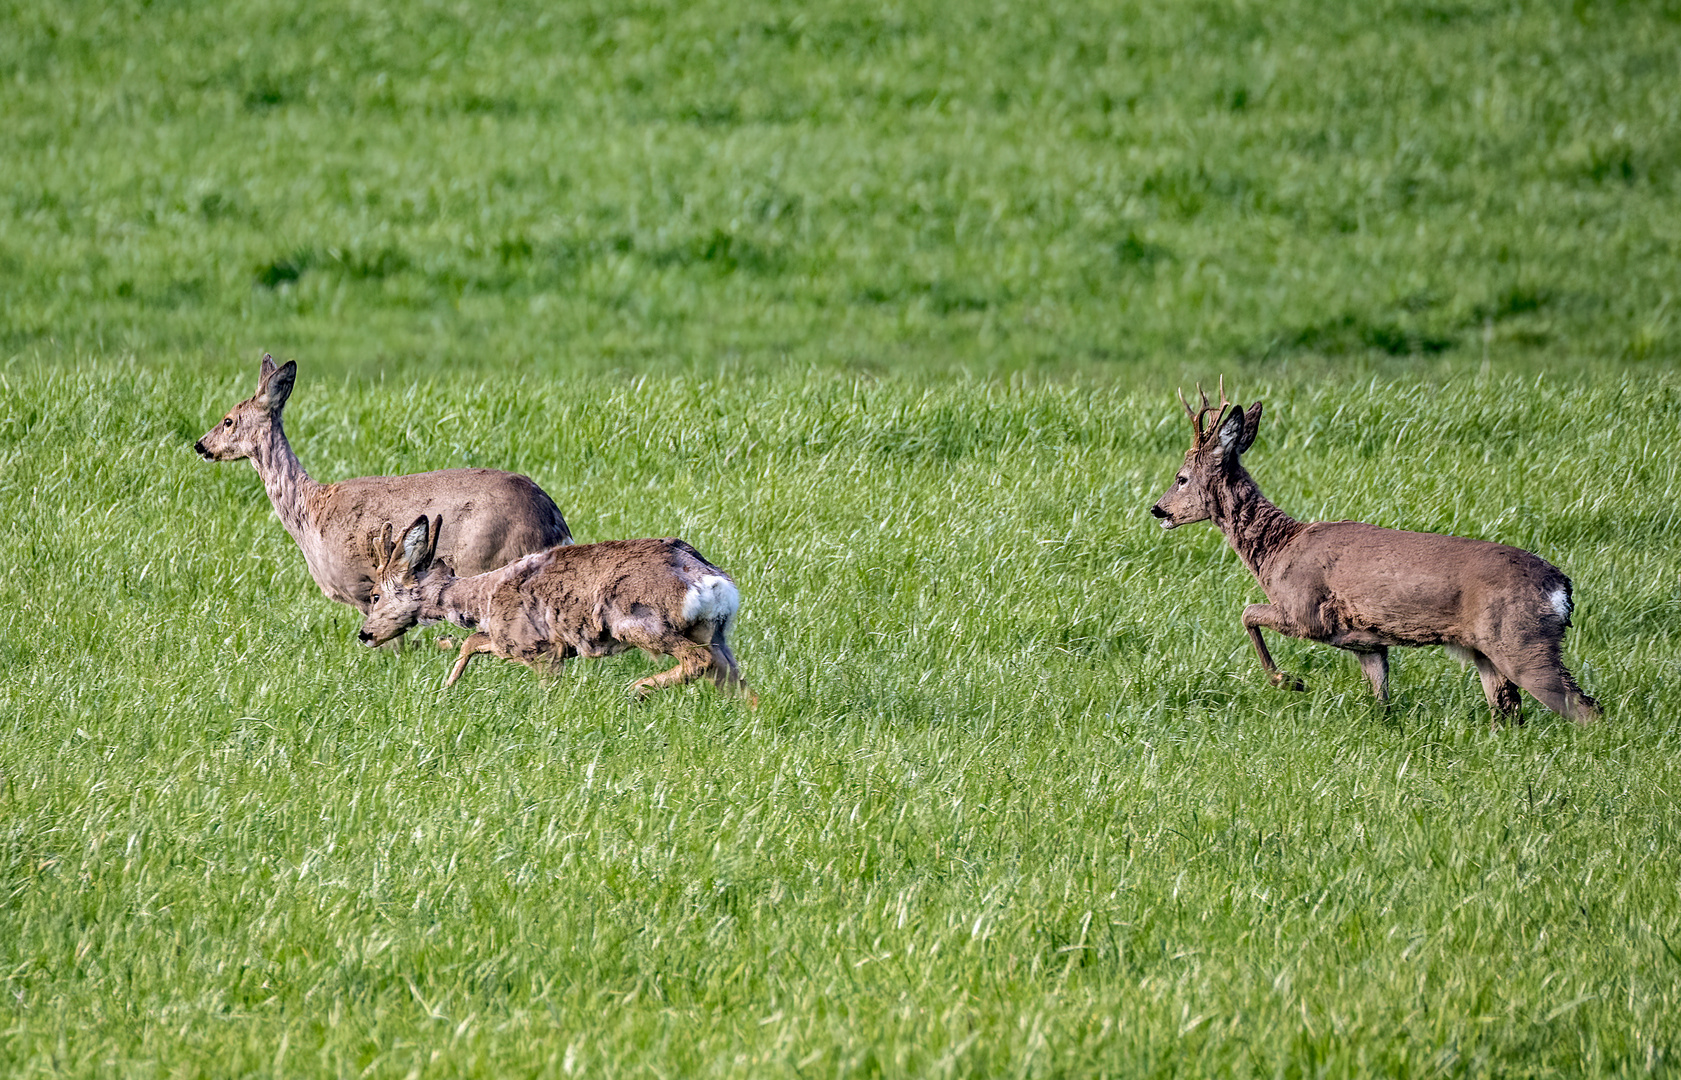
248 424
401 568
1213 459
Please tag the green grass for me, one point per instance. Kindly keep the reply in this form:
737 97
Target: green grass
1017 799
955 185
883 308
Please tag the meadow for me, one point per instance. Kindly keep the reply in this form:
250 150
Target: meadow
882 307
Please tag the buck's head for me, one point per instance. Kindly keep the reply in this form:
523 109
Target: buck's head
247 425
401 569
1212 461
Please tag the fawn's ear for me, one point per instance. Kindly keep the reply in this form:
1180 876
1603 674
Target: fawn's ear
266 372
1251 426
432 538
380 545
418 545
273 390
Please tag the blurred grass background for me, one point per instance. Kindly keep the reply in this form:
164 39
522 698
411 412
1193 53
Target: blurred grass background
958 185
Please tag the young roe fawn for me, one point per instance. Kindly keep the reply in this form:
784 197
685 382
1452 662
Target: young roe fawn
660 596
1363 588
498 516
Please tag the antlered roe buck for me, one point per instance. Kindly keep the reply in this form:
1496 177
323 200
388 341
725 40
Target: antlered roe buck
1364 589
498 516
660 596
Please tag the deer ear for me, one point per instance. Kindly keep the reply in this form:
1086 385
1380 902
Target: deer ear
1251 427
432 538
1230 429
417 551
274 390
266 371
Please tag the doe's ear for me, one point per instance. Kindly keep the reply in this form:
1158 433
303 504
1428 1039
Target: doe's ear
1251 427
274 389
266 371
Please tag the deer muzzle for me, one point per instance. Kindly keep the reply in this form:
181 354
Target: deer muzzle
1166 518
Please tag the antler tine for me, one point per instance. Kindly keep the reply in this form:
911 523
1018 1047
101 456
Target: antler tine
1209 407
1201 413
1198 415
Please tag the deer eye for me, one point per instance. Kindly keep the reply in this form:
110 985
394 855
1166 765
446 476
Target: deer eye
1183 480
373 598
227 421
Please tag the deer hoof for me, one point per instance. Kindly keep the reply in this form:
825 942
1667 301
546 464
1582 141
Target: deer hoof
1287 682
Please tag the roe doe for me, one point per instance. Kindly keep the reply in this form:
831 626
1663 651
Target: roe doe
499 516
660 596
1364 589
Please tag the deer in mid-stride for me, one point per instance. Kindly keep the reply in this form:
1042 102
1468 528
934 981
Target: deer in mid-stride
499 515
1365 589
660 596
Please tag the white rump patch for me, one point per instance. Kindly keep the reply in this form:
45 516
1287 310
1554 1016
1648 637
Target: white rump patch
711 599
1561 602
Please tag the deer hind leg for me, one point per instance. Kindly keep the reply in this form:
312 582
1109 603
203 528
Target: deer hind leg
726 674
476 643
1501 692
1553 686
1256 616
693 661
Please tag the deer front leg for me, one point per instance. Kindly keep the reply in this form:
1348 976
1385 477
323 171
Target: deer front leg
476 642
1255 616
1375 664
1373 655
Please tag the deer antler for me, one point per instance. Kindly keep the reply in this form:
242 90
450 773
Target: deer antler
1198 415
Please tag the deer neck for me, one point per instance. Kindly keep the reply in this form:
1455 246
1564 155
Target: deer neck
1255 528
289 487
464 602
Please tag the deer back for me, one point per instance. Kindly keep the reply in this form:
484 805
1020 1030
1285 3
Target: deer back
1414 588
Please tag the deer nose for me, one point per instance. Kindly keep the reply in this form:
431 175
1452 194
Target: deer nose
199 446
364 637
1158 511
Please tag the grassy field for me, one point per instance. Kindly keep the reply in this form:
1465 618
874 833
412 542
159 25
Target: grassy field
883 308
954 185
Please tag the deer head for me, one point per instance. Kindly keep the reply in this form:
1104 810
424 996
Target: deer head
400 571
1212 461
247 426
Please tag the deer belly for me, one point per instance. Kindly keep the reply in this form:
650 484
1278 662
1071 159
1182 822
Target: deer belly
1396 616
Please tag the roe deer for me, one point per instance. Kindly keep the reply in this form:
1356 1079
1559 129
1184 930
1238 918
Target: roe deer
499 516
1363 588
660 596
